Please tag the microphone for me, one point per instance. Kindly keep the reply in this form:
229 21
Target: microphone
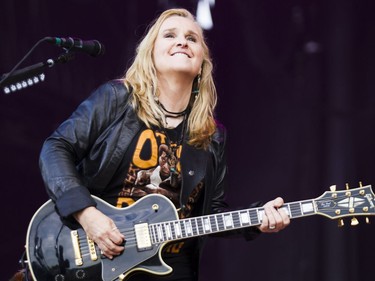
91 47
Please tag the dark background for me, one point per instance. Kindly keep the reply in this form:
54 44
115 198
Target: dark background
296 93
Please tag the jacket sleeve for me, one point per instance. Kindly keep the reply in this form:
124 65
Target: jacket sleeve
218 203
70 143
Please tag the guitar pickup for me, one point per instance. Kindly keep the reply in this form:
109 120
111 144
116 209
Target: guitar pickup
142 236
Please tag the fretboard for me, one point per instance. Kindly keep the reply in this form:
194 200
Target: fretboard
210 224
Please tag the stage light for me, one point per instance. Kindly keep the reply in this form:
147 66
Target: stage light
21 84
203 16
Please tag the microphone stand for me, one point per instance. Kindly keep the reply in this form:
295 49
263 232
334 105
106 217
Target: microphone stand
30 75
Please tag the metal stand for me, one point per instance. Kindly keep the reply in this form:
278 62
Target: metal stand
30 75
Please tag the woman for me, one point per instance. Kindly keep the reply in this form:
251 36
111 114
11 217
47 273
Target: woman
151 132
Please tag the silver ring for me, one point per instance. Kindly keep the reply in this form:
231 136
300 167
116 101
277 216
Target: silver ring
272 227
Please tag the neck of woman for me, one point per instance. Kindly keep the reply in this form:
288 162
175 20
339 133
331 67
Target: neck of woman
174 95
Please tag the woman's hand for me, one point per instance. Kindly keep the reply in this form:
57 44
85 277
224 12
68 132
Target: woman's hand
102 230
274 219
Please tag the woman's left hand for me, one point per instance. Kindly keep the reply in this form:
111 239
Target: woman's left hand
274 219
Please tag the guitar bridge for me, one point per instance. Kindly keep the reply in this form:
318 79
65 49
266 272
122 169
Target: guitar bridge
142 236
76 248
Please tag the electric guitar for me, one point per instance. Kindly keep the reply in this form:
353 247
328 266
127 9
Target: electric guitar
56 252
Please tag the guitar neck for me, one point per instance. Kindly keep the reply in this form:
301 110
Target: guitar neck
220 222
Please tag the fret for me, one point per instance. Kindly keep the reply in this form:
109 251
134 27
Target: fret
160 232
154 234
151 233
244 218
173 230
236 219
308 207
260 215
213 223
286 209
254 218
289 210
220 223
157 239
188 227
163 231
200 225
183 231
207 225
178 230
295 210
217 224
228 221
168 231
194 226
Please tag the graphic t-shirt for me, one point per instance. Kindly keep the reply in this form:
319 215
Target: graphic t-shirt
151 165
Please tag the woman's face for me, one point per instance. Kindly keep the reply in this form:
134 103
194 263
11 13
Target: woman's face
178 47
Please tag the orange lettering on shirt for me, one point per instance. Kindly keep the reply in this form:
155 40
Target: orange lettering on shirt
124 202
146 135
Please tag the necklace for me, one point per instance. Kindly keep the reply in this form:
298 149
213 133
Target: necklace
172 113
173 159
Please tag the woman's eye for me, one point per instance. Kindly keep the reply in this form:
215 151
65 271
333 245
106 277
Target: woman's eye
168 35
191 38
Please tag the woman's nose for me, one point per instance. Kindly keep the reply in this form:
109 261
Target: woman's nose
181 41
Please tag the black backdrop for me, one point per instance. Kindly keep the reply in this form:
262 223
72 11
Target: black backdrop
296 93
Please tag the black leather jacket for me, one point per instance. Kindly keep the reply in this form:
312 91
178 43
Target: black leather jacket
82 155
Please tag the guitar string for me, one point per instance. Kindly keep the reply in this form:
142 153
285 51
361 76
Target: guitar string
163 237
129 233
188 231
221 226
195 230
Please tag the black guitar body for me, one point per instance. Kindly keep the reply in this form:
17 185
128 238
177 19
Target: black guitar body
51 253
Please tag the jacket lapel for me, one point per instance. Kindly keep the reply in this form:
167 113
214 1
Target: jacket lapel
193 166
127 128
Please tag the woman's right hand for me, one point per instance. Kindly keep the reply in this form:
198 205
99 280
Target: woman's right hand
102 230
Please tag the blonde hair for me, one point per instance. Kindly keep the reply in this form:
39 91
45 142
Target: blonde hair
142 80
